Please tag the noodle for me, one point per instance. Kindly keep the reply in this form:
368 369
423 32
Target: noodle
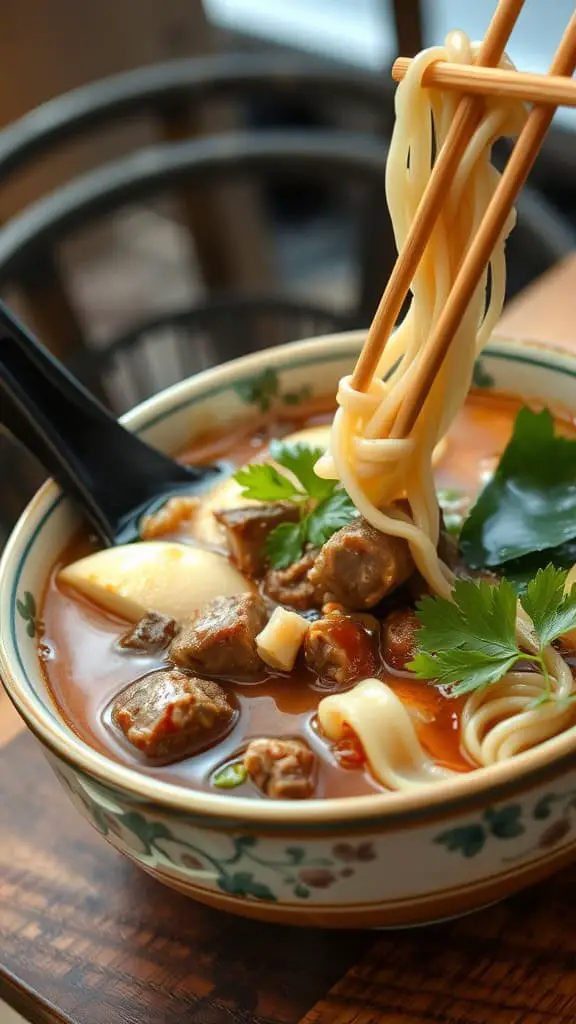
502 719
385 730
360 449
377 470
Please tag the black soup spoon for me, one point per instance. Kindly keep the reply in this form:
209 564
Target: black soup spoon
114 476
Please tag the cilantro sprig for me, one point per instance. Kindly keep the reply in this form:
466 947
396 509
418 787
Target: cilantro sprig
470 642
324 505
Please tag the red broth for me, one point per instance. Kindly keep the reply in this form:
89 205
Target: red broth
85 671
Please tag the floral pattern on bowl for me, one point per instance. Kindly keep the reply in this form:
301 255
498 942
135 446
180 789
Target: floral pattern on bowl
247 866
510 822
239 871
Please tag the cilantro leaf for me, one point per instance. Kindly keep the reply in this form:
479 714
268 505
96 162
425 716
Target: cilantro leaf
442 627
324 505
552 612
300 459
285 544
468 642
463 671
530 503
490 613
329 516
264 482
481 617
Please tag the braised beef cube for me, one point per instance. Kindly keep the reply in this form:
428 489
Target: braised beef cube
151 634
341 650
292 587
399 633
359 565
220 640
284 769
169 715
247 530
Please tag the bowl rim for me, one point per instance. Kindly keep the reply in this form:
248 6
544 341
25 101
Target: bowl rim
444 798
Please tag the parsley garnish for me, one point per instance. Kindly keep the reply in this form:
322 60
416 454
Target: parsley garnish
264 483
470 642
300 460
552 611
324 505
285 544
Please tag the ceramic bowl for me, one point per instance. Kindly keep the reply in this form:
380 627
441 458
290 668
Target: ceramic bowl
377 860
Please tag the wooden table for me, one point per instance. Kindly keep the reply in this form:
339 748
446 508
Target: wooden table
85 937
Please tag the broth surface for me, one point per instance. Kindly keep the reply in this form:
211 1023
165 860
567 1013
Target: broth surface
86 671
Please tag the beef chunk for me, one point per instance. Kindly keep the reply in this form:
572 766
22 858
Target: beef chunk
220 640
341 650
292 587
359 565
168 715
152 634
247 530
282 768
399 638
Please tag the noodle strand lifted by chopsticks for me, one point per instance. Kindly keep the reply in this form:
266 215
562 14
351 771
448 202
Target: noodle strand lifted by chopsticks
376 469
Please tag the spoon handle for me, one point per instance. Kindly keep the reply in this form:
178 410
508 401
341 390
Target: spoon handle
107 469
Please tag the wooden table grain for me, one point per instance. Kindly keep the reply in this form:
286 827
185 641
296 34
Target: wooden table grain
86 938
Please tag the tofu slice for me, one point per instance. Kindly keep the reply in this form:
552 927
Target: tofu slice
161 576
280 640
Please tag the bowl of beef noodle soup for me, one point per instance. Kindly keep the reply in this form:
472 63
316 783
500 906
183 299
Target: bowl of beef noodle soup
278 802
338 688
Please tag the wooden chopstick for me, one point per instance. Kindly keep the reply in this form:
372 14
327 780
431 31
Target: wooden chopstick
465 121
470 78
477 256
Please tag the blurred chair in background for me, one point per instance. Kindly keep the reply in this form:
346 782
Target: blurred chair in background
216 311
37 245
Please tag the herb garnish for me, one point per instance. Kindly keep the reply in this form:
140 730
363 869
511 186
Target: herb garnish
470 642
230 776
529 505
324 505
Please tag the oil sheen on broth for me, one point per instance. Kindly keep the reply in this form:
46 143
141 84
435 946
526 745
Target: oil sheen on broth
86 670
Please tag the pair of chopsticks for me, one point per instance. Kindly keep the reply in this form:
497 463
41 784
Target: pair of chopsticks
470 78
467 118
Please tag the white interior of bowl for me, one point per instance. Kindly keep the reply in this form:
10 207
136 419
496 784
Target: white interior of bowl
218 398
